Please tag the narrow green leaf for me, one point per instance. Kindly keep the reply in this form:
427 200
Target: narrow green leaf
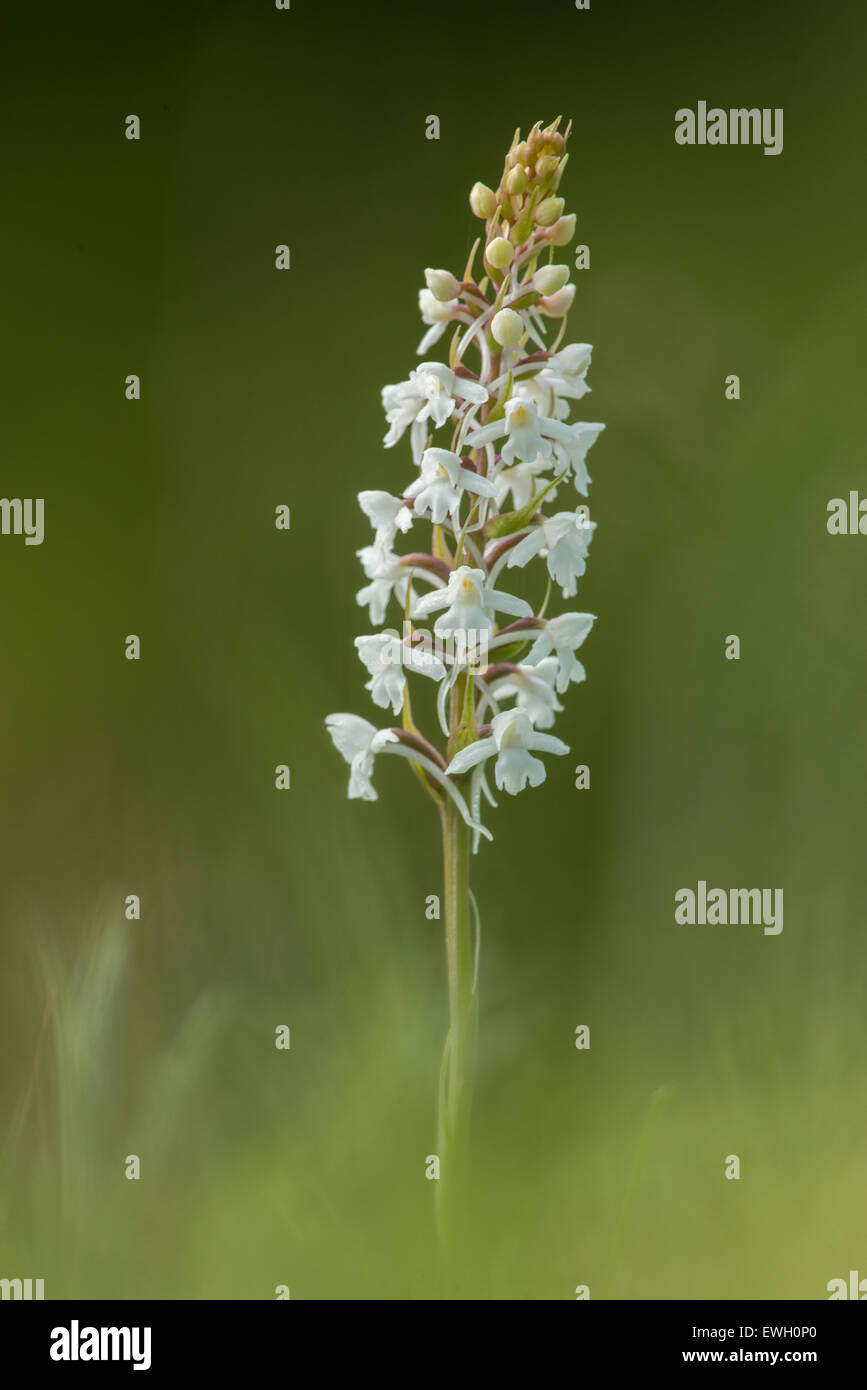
511 522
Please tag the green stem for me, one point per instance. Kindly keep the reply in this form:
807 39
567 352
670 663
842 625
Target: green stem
459 1058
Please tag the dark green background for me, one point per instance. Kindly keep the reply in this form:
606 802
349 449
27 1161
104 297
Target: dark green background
259 1167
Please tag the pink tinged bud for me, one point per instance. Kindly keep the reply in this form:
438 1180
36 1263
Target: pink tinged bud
563 231
507 327
549 211
550 278
557 306
442 285
499 253
482 200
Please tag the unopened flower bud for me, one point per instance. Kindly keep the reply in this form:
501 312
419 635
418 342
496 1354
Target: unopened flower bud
499 253
507 327
442 285
550 278
554 180
482 200
549 211
524 225
516 179
563 231
551 143
545 165
557 306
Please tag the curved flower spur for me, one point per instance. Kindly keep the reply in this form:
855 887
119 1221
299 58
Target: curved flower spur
492 448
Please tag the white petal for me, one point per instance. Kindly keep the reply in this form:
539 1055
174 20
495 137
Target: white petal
474 482
350 733
514 767
425 663
526 549
432 336
507 603
540 649
485 435
546 743
470 391
442 458
471 755
417 435
383 737
430 602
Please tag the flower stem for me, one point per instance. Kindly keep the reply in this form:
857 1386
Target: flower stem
459 1058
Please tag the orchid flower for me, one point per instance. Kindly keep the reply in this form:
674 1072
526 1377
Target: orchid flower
530 435
387 515
521 480
358 741
386 656
512 742
437 492
439 316
470 604
563 635
534 688
563 540
432 392
388 575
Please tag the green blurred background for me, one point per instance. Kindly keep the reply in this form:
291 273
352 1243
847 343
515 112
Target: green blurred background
260 907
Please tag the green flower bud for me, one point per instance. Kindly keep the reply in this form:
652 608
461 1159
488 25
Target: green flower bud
549 211
442 285
550 278
554 181
545 165
563 231
499 253
516 179
507 327
482 200
524 225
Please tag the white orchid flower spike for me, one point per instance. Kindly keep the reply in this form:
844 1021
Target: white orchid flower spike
488 435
